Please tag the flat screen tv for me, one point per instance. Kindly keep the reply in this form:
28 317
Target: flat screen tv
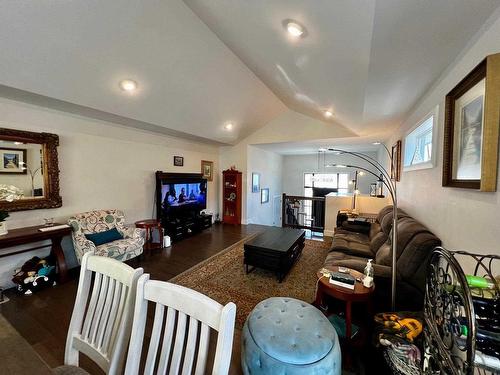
184 194
180 195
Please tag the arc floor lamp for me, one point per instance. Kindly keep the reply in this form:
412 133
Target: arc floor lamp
384 177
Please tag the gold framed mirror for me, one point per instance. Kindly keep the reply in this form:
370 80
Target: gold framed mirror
29 170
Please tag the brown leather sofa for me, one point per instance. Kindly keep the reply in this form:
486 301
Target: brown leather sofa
415 244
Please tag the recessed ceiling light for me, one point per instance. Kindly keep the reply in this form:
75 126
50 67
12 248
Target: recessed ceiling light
328 113
294 28
128 85
228 126
18 143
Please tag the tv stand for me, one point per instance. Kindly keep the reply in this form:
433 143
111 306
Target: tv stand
182 227
180 197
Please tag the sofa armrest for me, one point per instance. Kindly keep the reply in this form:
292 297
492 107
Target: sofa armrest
131 232
359 265
82 246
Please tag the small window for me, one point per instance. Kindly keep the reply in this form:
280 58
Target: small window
418 146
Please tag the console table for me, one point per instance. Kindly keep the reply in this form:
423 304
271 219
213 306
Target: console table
22 236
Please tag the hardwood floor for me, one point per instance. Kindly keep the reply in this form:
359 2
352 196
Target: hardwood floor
43 318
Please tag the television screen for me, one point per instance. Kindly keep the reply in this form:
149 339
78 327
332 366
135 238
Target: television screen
184 195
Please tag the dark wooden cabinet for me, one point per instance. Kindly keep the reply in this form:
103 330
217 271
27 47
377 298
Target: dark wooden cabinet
231 196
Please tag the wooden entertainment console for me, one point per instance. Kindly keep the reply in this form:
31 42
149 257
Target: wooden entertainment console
180 220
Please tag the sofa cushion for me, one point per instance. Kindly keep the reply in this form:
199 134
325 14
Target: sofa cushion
346 246
384 211
374 230
106 236
121 249
377 241
386 223
356 263
384 255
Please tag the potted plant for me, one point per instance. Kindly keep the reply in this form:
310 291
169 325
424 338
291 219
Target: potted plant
8 193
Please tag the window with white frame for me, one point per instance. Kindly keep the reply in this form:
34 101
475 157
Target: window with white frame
418 146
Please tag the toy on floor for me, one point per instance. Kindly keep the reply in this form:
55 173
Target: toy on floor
34 275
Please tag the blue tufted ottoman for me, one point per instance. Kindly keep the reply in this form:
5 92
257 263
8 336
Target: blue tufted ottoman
285 336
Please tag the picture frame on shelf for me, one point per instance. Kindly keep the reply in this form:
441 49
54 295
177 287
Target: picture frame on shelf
207 169
178 161
472 115
396 161
255 182
264 195
12 159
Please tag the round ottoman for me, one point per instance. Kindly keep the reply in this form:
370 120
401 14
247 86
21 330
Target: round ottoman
287 336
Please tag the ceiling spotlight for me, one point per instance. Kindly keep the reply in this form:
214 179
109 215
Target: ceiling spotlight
294 28
328 113
228 126
18 143
128 85
376 143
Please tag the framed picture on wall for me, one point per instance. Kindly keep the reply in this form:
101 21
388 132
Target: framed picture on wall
264 195
178 161
255 182
472 114
12 161
396 161
207 169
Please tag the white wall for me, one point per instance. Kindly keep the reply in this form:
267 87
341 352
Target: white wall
294 167
269 165
464 219
101 166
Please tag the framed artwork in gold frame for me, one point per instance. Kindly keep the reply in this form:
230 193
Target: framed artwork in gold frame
207 169
471 129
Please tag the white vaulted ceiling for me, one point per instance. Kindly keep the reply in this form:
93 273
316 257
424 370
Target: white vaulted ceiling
200 64
368 60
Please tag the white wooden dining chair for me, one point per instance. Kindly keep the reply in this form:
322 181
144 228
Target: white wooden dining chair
102 320
184 332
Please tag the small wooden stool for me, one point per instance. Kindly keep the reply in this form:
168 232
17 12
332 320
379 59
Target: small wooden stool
150 225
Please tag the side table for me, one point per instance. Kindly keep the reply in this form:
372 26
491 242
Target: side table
359 294
150 225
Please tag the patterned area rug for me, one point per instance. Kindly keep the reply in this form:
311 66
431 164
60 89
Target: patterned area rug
222 277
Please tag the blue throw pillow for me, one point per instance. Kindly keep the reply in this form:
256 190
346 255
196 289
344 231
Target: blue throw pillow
104 237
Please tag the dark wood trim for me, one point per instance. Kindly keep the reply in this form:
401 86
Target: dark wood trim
51 197
475 76
396 161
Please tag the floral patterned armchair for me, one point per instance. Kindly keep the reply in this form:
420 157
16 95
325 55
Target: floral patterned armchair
99 221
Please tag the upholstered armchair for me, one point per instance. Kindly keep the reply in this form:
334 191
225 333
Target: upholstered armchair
99 221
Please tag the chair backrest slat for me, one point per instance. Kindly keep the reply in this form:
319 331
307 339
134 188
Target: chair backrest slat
92 306
101 321
186 330
201 362
99 309
168 334
154 342
187 366
106 339
180 333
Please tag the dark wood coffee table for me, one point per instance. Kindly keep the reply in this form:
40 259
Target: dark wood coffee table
277 250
